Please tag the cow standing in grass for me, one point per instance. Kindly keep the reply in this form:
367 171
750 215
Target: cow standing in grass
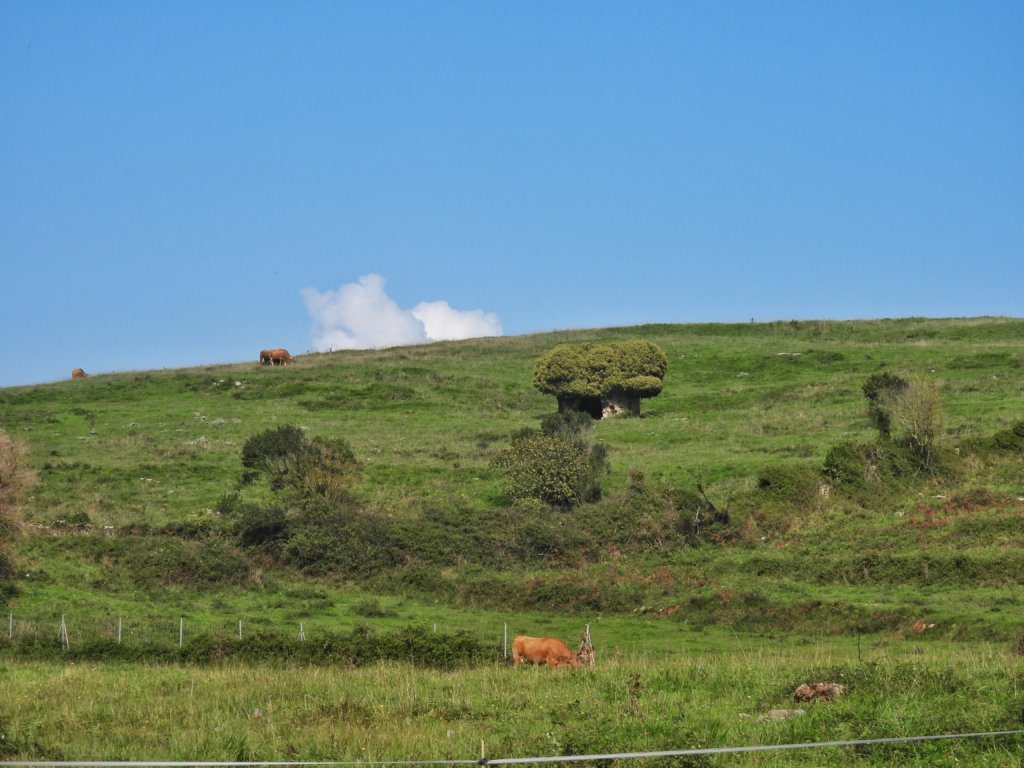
275 357
542 650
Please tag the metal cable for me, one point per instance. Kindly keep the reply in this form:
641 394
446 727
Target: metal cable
497 761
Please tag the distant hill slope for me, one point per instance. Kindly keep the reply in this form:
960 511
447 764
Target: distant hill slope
749 411
426 421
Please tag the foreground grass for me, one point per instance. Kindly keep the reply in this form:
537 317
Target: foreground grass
394 711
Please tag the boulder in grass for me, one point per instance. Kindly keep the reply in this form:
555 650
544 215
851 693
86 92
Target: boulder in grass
819 692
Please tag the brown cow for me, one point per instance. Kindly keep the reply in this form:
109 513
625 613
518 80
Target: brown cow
275 357
542 650
78 373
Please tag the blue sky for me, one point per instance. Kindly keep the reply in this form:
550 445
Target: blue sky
173 176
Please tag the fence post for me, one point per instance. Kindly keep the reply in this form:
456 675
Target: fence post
504 641
239 629
118 630
10 627
181 631
302 632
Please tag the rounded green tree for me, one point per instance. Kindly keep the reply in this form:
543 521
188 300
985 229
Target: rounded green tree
601 379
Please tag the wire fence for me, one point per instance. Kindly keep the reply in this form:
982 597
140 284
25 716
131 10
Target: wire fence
73 630
538 760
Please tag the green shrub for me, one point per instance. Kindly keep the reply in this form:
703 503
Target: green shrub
571 426
648 516
228 505
876 389
324 469
558 465
260 526
318 468
1010 439
627 368
917 411
697 519
871 473
326 539
267 451
848 464
791 484
550 469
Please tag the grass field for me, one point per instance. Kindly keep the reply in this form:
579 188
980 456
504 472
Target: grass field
715 632
713 698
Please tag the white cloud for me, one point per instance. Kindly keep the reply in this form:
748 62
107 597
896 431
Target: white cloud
361 315
442 323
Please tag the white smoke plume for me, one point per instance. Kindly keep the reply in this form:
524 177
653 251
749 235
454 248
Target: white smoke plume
361 315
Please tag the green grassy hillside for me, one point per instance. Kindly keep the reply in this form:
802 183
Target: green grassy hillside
142 510
147 451
156 446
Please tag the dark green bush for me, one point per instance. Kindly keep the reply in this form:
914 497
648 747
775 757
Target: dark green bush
571 426
791 484
318 468
697 518
268 450
228 505
877 388
1010 439
322 469
326 539
260 526
872 473
848 464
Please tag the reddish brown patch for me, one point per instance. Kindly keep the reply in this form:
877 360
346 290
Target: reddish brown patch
819 692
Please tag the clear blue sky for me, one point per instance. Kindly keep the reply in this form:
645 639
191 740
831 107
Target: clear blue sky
173 175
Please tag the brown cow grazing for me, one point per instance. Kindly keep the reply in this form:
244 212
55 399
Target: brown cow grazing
78 373
280 357
275 357
542 650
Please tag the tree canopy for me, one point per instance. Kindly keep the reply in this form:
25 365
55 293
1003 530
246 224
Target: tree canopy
630 368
